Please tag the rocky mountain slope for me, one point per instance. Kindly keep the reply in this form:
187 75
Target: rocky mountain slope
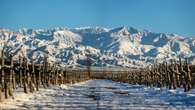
122 46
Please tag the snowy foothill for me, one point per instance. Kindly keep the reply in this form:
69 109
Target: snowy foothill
102 94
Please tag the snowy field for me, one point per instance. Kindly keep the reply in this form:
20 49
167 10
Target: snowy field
102 94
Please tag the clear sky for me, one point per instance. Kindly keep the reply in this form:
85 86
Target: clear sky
168 16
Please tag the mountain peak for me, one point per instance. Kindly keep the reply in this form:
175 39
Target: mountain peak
89 29
124 30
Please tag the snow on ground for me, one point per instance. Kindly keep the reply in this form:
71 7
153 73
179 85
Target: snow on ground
102 94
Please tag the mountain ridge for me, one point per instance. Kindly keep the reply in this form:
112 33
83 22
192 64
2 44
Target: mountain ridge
122 46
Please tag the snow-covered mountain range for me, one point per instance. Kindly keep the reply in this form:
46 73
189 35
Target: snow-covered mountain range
122 46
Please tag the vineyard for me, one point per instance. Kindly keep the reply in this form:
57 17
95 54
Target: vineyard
31 77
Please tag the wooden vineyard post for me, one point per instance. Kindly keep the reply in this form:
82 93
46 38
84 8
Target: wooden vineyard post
133 76
49 74
5 79
45 71
2 74
32 77
10 84
56 76
126 77
156 76
28 77
166 75
173 76
1 85
24 75
188 75
147 74
53 74
61 77
177 73
65 76
79 77
72 77
129 77
163 74
13 76
6 89
160 75
20 72
75 76
152 75
88 64
38 78
181 75
169 76
139 80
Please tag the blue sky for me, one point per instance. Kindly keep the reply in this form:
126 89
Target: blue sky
169 16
